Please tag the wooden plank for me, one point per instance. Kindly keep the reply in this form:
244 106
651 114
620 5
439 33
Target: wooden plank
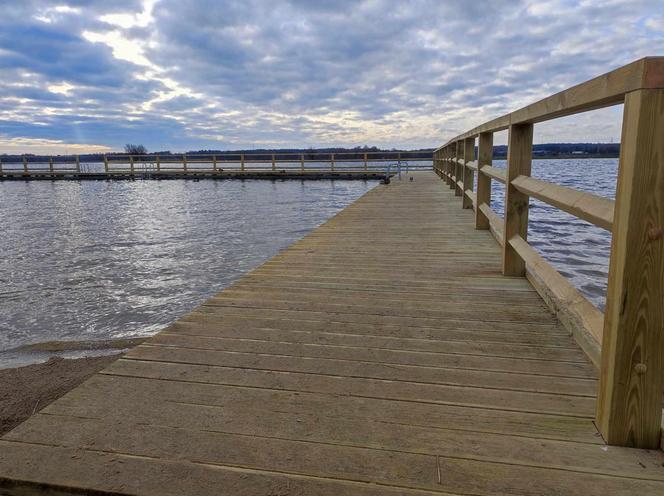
499 175
467 173
495 223
602 91
519 157
576 313
592 208
484 158
629 408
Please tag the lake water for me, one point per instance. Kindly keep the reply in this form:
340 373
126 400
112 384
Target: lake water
96 260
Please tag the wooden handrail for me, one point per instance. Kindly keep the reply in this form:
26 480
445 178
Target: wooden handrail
602 91
592 208
494 173
627 342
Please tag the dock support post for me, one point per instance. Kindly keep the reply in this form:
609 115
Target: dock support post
629 404
467 173
458 168
25 165
484 157
242 162
105 164
453 151
274 164
519 158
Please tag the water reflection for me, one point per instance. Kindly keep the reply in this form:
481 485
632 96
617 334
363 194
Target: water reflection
98 260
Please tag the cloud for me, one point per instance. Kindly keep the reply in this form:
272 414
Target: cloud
185 74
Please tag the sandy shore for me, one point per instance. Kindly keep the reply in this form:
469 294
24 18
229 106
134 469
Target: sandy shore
26 390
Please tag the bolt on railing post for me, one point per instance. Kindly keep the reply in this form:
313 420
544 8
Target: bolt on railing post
274 164
629 403
483 195
519 158
467 173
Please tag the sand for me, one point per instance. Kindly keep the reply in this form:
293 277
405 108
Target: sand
26 390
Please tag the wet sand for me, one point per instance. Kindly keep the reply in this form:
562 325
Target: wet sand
26 390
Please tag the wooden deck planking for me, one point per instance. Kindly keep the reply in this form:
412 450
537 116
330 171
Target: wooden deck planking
381 354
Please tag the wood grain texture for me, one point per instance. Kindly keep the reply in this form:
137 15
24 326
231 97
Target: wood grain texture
484 158
467 173
592 208
382 354
519 158
630 404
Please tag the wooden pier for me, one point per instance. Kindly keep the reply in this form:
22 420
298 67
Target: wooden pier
399 349
384 353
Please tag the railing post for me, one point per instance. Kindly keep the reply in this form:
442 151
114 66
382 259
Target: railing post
25 165
629 404
50 164
458 169
214 163
184 162
302 162
274 165
453 148
366 164
0 166
78 164
483 195
468 174
158 162
519 158
332 162
105 164
242 162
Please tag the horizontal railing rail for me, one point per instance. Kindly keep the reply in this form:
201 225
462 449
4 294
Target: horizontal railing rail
341 162
626 342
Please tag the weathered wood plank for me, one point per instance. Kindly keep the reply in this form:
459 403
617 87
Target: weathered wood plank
629 408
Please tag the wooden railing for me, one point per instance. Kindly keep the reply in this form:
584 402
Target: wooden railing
626 342
292 161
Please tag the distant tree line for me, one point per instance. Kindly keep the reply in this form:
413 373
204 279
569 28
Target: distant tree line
548 150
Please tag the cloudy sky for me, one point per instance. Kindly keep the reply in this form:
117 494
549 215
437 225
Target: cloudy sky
84 75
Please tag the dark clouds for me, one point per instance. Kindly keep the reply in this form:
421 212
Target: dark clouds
189 74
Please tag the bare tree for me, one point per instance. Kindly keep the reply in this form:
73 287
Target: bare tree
135 149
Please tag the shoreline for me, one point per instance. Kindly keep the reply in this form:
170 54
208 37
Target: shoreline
27 389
